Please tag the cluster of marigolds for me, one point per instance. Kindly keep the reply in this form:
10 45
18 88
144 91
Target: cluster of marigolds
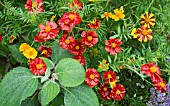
109 89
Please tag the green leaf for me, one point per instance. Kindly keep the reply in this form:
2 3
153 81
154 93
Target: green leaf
30 102
81 95
16 86
59 100
18 56
48 92
58 53
70 72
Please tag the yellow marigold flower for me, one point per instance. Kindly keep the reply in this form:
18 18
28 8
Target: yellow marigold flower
30 53
23 47
104 65
155 59
147 19
107 15
52 18
112 83
134 33
118 14
93 0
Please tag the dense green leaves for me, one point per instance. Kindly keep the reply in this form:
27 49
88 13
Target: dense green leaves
48 92
16 86
18 56
70 72
80 96
58 53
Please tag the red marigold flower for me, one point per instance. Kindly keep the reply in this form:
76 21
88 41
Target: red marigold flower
47 32
156 78
69 20
150 69
67 42
90 38
104 91
79 48
118 92
109 76
76 5
39 38
113 46
92 77
0 37
95 24
143 34
80 59
35 6
38 66
46 51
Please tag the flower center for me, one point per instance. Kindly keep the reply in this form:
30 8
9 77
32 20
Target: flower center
162 84
109 76
67 41
144 32
79 60
94 21
77 47
47 28
153 69
117 92
89 38
113 45
38 66
91 76
34 4
71 16
118 14
147 20
44 52
104 89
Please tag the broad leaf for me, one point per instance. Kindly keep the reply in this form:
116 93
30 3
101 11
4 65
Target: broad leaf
81 95
18 56
48 92
70 72
59 100
58 53
30 102
16 86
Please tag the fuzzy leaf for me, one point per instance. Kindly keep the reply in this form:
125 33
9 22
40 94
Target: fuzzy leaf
48 92
70 72
81 95
16 86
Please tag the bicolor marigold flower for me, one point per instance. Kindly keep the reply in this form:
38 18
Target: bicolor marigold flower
143 34
109 76
118 92
24 46
50 31
150 68
118 14
113 46
35 6
38 66
69 20
107 15
45 51
0 37
80 59
147 20
92 77
104 91
90 38
104 66
76 5
79 48
95 24
67 42
30 53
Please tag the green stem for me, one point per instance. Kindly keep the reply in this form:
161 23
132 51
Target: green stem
150 4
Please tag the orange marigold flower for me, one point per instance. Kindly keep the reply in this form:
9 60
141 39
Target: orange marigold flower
92 77
104 91
118 92
24 46
118 14
107 15
143 34
95 24
30 53
147 19
38 66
